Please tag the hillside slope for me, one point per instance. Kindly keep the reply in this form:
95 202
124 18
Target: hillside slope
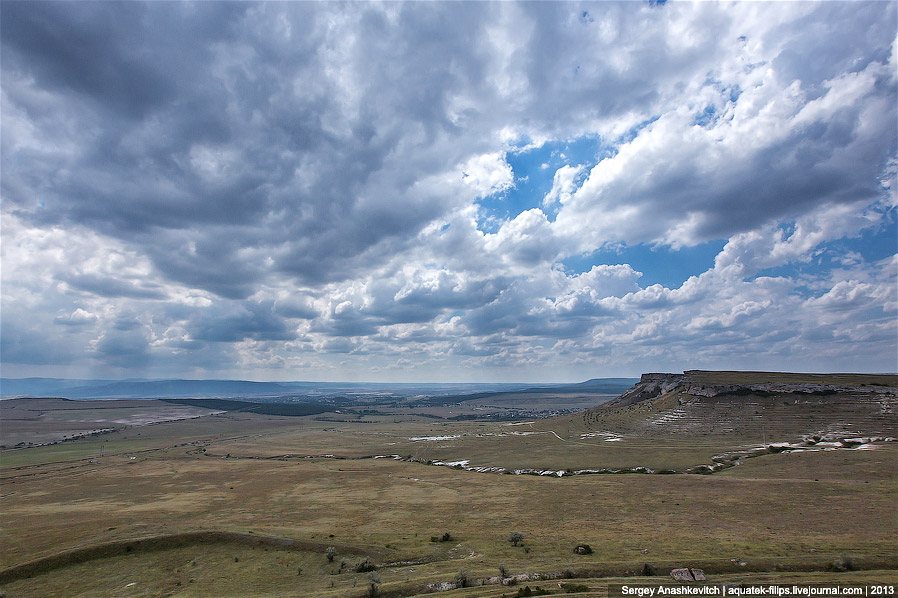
778 407
694 422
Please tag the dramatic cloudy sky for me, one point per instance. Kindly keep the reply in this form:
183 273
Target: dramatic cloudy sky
447 191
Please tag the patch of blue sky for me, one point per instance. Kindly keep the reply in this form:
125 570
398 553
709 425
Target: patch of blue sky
706 116
534 171
875 243
659 265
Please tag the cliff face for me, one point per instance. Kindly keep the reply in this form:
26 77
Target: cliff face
692 382
649 387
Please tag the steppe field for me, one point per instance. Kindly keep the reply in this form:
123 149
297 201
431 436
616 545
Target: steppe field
753 484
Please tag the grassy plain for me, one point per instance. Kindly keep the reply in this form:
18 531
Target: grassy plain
315 480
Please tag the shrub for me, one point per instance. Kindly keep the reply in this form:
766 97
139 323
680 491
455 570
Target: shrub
365 565
462 578
843 563
503 570
573 588
446 537
648 569
330 553
583 549
535 591
515 538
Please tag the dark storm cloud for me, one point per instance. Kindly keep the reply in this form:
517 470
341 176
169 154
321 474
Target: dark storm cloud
422 301
84 48
295 307
198 123
249 320
112 287
25 343
126 349
346 323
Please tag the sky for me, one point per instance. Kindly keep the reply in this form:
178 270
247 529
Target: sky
447 191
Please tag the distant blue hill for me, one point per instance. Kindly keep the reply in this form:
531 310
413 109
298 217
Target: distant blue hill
178 388
145 388
16 387
602 385
83 389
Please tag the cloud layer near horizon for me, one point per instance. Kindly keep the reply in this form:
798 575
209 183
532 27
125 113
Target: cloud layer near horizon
326 191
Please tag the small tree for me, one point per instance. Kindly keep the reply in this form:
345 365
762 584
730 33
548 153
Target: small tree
462 578
503 570
515 538
330 553
373 581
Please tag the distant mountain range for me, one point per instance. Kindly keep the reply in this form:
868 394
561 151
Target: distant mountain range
172 388
81 389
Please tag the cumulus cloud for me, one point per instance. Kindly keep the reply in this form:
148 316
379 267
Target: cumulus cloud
79 317
302 190
563 185
488 174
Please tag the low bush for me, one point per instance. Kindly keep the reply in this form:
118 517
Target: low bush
365 565
446 537
842 564
574 588
528 591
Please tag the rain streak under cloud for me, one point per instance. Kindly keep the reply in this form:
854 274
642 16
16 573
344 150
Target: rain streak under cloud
447 191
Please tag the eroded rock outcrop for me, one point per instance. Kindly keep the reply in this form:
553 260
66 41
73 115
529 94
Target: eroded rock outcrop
690 382
649 387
